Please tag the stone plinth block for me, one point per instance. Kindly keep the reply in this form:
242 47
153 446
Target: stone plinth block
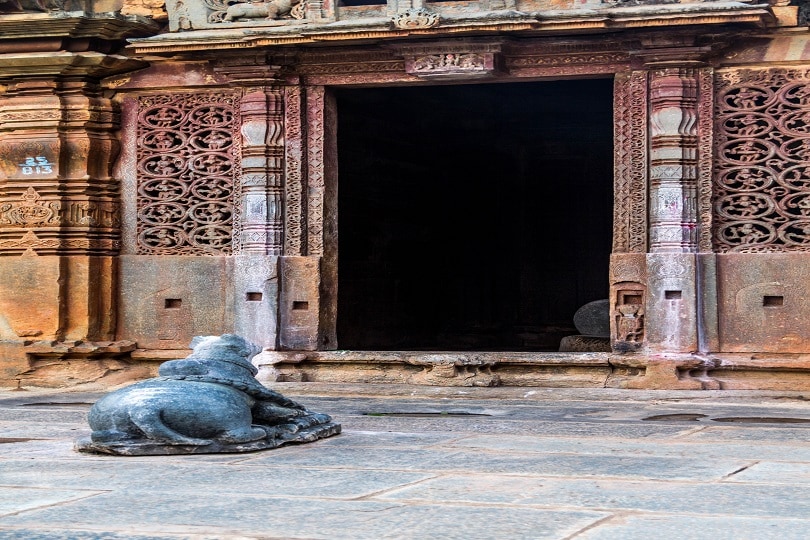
763 302
209 402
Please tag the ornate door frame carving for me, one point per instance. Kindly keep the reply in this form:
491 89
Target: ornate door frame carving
662 172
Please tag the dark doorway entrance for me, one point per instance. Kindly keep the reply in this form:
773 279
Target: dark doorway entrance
475 217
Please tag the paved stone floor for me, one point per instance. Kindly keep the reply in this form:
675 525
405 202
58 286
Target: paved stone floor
427 462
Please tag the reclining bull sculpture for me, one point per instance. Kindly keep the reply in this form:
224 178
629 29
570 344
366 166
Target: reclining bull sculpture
208 402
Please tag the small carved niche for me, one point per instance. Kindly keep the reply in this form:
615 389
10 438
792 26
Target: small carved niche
773 301
628 315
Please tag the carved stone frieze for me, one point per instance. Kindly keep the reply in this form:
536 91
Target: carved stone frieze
451 65
187 152
762 150
568 59
47 243
30 211
360 66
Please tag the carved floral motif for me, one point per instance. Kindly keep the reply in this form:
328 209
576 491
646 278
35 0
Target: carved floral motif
187 163
762 161
416 18
30 211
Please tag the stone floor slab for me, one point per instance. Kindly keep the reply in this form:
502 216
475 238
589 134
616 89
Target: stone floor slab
49 534
306 518
776 472
682 447
630 466
627 430
697 528
611 495
752 433
545 463
389 439
19 499
171 476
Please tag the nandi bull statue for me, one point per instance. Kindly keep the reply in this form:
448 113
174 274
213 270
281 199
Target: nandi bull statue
208 402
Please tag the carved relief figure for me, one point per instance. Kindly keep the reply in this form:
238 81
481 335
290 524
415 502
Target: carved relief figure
448 61
274 9
630 324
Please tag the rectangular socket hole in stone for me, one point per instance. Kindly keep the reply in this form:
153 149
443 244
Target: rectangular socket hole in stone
672 295
300 306
173 303
770 301
253 297
629 299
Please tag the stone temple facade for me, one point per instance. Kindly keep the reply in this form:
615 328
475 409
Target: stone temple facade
407 191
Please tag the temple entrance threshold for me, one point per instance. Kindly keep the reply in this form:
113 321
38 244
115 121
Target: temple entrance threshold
472 217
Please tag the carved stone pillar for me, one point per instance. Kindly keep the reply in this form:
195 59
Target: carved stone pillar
259 190
628 271
673 160
662 216
679 131
259 234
